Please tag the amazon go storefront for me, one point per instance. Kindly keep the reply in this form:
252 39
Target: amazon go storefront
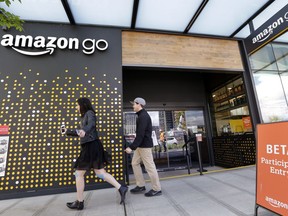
46 68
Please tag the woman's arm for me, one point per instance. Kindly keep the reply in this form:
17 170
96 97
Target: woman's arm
70 132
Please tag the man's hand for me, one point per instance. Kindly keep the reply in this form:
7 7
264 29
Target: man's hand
128 150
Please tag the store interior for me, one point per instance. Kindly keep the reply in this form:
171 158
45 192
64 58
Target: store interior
183 103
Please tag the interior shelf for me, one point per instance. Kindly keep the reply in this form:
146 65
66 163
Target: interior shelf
230 108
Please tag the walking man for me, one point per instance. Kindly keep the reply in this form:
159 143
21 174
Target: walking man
142 147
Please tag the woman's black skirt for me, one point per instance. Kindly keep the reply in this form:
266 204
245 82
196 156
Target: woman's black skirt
92 156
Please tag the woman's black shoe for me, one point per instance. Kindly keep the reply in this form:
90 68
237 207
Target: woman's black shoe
123 190
75 205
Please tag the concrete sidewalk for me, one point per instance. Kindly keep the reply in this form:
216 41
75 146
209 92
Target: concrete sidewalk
224 193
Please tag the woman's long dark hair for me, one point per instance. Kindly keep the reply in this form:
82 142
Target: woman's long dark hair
85 105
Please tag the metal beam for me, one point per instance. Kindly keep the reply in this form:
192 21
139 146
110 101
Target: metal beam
252 17
134 13
201 7
68 11
254 107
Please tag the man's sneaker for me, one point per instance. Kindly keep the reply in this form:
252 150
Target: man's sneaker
138 189
153 193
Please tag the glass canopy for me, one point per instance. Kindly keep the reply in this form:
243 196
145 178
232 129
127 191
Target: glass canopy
102 12
223 17
220 18
166 14
38 10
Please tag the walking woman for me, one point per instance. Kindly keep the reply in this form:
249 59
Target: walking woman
92 155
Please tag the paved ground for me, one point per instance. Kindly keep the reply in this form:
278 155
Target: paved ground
216 193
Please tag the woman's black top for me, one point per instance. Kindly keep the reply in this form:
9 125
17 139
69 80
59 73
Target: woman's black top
88 124
92 155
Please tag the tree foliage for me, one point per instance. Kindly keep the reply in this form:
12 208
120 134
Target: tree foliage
9 20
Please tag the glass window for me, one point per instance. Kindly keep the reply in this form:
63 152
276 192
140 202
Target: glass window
284 78
272 102
263 60
281 56
195 121
171 133
270 72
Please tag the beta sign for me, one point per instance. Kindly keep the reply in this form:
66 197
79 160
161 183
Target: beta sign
272 167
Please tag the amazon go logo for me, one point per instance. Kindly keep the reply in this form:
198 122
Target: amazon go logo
47 45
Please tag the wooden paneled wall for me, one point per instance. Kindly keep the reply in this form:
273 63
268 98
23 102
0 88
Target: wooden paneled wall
163 50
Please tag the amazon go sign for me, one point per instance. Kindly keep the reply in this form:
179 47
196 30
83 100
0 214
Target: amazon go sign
20 43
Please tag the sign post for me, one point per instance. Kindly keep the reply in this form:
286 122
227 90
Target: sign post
199 139
272 167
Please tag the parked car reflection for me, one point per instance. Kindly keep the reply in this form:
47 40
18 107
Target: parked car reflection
3 149
171 141
2 169
3 142
2 158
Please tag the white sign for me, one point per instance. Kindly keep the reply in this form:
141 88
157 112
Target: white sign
199 137
4 143
47 45
154 139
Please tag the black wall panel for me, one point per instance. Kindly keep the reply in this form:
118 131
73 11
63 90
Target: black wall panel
38 94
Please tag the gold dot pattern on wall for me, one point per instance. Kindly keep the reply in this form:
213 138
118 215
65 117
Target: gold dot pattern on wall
35 104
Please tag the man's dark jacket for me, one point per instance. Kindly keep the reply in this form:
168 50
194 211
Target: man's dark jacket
143 131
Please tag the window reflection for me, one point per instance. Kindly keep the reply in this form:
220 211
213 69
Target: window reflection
284 78
173 135
270 72
281 55
271 97
195 121
263 60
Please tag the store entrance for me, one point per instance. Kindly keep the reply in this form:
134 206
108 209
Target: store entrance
178 102
173 133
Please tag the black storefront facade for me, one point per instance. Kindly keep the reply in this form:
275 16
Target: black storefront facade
46 68
39 87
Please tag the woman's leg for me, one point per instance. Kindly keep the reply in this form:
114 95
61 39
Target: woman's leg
80 184
101 173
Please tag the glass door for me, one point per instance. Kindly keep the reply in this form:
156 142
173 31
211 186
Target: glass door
171 130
